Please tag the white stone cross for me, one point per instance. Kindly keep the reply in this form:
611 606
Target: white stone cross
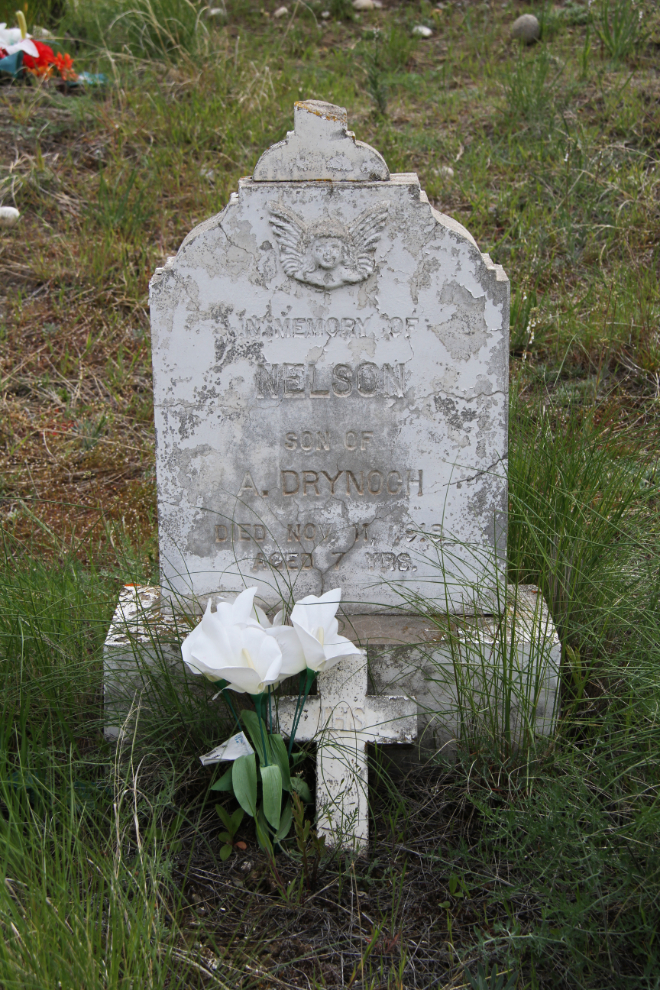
342 719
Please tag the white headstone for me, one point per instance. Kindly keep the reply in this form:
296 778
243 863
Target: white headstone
330 361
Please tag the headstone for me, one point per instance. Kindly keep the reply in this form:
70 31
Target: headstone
330 360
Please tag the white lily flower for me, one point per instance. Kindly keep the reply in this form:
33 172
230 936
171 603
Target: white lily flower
26 46
243 654
293 657
314 620
242 611
9 36
13 40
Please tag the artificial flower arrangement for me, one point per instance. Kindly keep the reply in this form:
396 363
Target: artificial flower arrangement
237 647
21 53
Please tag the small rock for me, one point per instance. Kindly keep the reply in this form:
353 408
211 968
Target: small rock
240 845
215 12
363 5
281 12
325 15
8 216
422 31
526 28
446 171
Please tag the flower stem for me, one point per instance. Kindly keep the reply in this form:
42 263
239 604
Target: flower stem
294 723
309 680
259 704
230 704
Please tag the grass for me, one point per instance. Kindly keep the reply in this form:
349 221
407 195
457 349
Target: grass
542 861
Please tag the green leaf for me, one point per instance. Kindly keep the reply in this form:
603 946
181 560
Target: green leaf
262 832
255 726
281 757
453 884
224 816
244 779
225 852
271 778
300 787
224 783
226 837
236 820
285 822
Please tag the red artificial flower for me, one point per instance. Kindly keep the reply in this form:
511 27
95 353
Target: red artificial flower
39 66
64 65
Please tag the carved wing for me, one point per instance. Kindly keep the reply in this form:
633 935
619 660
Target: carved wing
289 230
365 232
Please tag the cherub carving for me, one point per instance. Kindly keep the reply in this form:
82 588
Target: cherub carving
328 253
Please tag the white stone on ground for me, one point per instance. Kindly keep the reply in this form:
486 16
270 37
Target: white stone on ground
526 28
281 12
215 12
446 171
422 31
325 15
8 216
364 5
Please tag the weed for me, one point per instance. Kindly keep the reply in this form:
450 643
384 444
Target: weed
496 981
342 9
376 78
530 88
619 25
117 209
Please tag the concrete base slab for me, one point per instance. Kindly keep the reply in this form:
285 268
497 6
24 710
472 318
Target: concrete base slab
436 679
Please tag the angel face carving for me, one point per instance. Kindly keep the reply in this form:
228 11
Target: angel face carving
327 253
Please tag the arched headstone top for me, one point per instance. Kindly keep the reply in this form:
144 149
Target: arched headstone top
320 148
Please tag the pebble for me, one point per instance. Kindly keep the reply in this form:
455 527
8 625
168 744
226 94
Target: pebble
281 12
422 31
526 28
445 170
325 15
215 12
8 216
364 5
